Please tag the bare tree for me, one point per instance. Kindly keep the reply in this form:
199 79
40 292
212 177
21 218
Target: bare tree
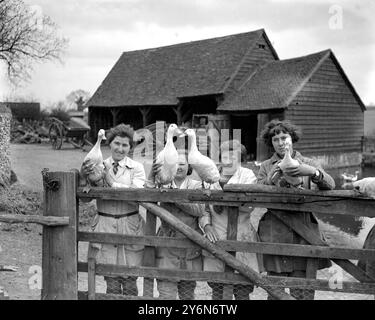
26 37
77 98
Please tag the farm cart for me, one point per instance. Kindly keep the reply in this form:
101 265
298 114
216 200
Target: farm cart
75 131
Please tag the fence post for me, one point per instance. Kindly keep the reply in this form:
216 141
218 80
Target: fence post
149 255
60 252
233 213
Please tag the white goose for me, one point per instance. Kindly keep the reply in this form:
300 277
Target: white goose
289 162
204 166
96 157
348 180
168 158
365 186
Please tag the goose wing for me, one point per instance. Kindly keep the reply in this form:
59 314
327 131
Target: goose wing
168 159
205 167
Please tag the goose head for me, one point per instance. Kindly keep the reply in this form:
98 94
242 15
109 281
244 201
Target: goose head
190 133
174 130
288 144
101 134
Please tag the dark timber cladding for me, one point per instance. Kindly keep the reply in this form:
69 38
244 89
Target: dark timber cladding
315 94
329 112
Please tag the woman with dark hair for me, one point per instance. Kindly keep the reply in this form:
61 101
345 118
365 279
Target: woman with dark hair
175 258
119 217
215 224
271 228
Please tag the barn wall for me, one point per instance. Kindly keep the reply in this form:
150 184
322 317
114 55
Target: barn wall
259 55
370 122
331 120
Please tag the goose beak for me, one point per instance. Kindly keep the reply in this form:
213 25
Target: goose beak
104 138
179 132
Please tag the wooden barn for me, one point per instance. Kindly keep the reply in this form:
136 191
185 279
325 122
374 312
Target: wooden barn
24 110
240 81
370 121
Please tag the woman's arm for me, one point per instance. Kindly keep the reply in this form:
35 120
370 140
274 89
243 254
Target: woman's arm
267 175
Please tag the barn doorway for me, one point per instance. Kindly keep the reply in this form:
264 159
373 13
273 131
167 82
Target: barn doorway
251 126
248 124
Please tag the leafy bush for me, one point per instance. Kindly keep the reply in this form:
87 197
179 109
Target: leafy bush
59 114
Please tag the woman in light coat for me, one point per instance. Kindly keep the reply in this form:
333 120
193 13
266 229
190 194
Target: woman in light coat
119 217
215 225
177 258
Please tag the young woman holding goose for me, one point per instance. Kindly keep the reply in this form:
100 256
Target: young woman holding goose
289 169
119 217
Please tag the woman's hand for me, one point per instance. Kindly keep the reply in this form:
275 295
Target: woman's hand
87 168
156 167
108 178
274 174
300 171
211 233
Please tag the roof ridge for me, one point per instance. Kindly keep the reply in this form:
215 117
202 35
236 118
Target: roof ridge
193 41
305 56
239 66
325 54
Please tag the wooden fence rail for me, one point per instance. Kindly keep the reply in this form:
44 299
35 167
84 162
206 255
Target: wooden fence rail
332 202
234 245
60 256
44 220
228 278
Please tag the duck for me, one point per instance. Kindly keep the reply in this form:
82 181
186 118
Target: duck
349 179
288 162
168 158
203 166
96 157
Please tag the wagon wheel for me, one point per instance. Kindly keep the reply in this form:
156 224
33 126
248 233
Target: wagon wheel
55 136
82 141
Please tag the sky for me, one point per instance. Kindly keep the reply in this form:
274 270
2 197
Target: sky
100 30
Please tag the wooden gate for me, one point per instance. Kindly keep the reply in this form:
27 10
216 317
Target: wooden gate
61 236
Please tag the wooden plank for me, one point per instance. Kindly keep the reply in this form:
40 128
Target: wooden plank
230 245
229 278
310 110
215 250
332 202
149 255
335 90
91 283
59 256
42 220
331 150
312 268
313 238
328 104
231 235
333 144
83 295
302 99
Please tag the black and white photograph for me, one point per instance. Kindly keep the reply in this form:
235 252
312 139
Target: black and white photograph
173 152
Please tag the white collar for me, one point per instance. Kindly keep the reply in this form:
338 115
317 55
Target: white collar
126 162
